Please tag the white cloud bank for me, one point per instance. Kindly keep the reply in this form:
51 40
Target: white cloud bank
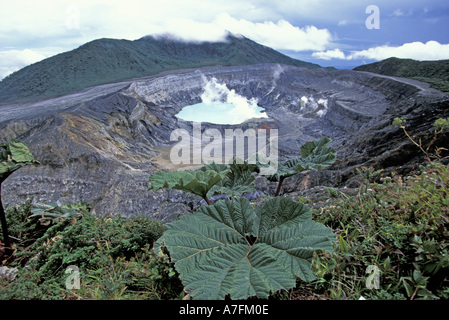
12 60
329 54
431 50
281 35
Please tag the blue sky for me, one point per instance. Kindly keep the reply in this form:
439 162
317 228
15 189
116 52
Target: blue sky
326 32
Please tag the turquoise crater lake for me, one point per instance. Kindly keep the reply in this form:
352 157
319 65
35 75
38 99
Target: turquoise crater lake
220 113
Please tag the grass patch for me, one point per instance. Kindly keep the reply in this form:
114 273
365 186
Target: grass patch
399 227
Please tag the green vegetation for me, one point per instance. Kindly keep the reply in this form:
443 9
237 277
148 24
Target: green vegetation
315 155
400 225
232 248
433 72
113 254
237 178
386 239
440 125
198 182
13 156
109 60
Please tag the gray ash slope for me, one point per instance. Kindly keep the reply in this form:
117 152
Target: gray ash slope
101 144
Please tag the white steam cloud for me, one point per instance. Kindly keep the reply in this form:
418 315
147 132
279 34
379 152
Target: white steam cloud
242 109
222 106
311 105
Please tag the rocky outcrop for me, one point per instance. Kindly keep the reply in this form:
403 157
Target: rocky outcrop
101 144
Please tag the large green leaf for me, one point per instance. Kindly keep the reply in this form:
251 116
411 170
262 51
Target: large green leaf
14 155
53 213
231 248
198 182
238 180
233 180
315 155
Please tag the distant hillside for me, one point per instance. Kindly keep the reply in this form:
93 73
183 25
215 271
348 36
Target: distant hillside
434 72
109 60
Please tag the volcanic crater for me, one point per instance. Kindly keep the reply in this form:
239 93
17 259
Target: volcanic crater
100 145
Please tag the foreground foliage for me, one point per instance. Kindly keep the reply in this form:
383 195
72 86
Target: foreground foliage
391 243
400 226
112 254
236 178
232 248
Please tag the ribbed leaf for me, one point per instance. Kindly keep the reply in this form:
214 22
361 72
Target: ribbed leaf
278 212
230 248
52 212
14 155
211 179
315 155
20 152
198 182
217 167
238 180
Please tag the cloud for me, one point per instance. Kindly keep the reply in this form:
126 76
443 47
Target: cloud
329 54
398 13
401 13
72 26
290 25
281 35
13 60
431 50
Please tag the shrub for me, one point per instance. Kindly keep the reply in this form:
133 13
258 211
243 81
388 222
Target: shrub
96 245
399 225
79 240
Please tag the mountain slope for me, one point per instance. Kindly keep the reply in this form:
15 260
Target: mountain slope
434 72
109 60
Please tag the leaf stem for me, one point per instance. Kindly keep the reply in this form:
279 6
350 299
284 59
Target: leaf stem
249 244
207 200
281 180
3 220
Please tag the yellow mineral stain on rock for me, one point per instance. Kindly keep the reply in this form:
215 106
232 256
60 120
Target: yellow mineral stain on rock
98 137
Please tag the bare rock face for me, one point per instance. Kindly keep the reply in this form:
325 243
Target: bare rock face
101 144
